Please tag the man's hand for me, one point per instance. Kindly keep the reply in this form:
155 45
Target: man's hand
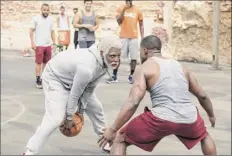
108 136
212 121
53 46
33 45
67 126
92 28
88 26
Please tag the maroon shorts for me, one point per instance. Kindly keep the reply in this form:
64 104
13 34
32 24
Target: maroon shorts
146 130
43 54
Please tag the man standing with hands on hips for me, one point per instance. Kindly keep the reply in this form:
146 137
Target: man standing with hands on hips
128 16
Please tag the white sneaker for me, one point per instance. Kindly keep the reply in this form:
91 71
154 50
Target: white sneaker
28 152
107 148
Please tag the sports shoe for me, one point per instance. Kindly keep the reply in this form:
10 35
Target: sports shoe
107 148
130 81
28 152
39 84
113 79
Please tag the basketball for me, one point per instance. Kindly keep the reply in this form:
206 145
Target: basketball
78 122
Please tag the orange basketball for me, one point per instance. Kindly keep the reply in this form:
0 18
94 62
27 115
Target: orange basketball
78 121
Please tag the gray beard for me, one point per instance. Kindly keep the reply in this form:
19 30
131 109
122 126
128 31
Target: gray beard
108 67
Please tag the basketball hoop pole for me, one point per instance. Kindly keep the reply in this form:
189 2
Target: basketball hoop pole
215 40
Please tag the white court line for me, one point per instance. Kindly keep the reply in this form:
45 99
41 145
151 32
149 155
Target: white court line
19 114
23 108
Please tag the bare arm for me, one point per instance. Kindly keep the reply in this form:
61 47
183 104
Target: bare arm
53 36
32 30
97 24
53 33
137 93
68 22
57 22
121 16
141 27
202 97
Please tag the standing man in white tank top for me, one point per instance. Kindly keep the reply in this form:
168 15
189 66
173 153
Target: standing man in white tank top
87 22
63 21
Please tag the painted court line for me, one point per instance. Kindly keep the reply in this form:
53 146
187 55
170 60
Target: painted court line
22 110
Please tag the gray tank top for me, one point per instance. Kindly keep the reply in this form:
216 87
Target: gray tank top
170 95
84 34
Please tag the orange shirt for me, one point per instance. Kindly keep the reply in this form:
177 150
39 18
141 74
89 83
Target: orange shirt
129 24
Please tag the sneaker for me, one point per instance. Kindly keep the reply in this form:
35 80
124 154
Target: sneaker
27 55
113 79
28 152
130 81
106 149
39 84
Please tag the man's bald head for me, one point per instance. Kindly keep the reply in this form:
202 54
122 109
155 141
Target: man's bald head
149 45
151 42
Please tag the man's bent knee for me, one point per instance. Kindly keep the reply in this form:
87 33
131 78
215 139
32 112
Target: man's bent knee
120 139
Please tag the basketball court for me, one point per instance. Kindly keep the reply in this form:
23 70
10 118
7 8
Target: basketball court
22 109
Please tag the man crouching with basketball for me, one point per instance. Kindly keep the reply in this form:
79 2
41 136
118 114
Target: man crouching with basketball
70 79
172 112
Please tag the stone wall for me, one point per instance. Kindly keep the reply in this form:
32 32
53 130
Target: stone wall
191 34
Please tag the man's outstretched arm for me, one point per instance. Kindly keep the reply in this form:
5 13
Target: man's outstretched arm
137 93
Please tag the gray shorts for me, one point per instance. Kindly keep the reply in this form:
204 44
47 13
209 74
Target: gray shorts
130 48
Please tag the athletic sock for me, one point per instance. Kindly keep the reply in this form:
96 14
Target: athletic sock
115 71
37 79
132 72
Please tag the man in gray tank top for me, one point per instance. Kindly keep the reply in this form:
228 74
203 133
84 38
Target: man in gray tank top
172 112
88 23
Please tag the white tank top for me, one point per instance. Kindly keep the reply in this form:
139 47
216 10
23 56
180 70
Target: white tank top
63 22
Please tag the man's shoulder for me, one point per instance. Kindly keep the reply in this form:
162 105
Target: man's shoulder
36 17
149 66
120 8
51 18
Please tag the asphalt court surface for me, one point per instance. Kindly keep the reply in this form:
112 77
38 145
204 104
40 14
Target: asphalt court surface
22 109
